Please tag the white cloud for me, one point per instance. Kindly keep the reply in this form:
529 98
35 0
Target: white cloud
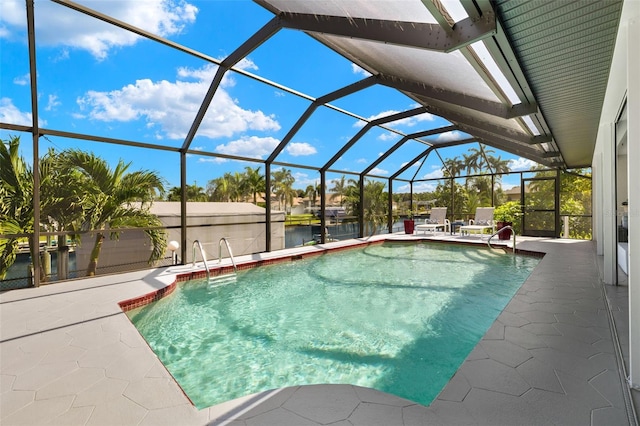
12 16
215 160
208 72
303 180
359 70
435 174
407 122
521 164
171 106
60 26
9 113
362 161
22 80
449 136
300 148
63 55
388 136
423 187
416 164
250 147
418 187
53 103
379 171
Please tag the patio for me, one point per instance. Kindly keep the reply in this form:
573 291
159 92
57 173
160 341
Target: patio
71 356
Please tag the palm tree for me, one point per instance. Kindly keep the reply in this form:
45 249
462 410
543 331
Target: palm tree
282 186
255 182
115 199
375 205
219 189
498 165
477 158
340 188
16 203
174 194
472 201
453 167
194 193
352 197
238 186
311 192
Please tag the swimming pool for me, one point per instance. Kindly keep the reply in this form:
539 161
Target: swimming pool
399 318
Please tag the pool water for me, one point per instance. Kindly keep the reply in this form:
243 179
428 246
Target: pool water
399 318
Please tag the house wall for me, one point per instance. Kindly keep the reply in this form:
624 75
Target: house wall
624 83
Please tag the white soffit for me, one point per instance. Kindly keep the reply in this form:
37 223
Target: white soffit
472 115
481 51
390 10
441 70
455 9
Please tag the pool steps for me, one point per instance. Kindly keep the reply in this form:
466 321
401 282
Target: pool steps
204 258
504 228
219 279
226 242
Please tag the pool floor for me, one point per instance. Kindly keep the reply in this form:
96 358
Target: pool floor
399 318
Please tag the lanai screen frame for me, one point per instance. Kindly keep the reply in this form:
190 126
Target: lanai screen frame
228 64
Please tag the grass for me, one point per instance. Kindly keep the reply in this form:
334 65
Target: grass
301 219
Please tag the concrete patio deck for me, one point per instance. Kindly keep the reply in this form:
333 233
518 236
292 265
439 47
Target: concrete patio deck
69 355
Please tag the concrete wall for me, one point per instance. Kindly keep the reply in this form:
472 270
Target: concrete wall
241 223
623 86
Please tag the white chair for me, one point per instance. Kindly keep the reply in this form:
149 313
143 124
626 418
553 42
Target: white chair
483 221
437 219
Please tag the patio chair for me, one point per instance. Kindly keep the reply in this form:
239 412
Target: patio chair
437 219
483 221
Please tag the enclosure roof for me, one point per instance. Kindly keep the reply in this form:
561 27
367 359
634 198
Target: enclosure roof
525 77
553 58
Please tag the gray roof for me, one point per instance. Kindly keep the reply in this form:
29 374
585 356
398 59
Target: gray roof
172 208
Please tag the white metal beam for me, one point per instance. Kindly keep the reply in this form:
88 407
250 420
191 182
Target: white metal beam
633 159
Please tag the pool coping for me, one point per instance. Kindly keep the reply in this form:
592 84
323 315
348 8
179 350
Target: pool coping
200 272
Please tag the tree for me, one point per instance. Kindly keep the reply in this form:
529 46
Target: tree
340 188
219 189
453 167
282 187
16 203
351 199
194 193
376 206
311 192
237 186
576 202
115 199
255 182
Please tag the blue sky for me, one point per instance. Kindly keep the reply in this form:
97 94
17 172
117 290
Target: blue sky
95 78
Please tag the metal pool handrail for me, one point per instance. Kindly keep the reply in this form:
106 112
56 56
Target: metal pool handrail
499 231
226 242
204 259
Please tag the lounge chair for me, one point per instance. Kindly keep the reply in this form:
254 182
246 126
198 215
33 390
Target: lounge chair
437 219
483 221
